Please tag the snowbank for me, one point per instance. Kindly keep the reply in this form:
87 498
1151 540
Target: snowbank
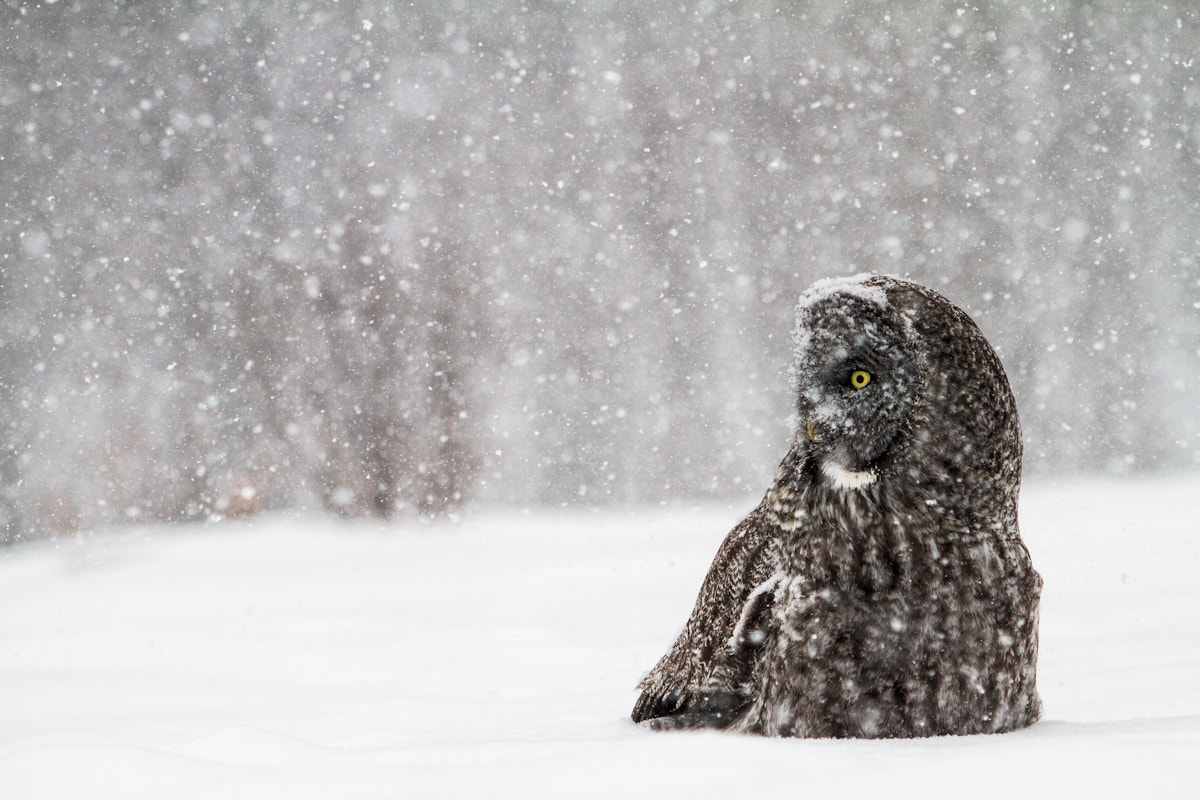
498 658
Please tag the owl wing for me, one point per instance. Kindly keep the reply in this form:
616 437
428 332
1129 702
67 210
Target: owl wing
700 681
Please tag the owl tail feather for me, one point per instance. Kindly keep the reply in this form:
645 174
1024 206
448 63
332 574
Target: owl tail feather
676 710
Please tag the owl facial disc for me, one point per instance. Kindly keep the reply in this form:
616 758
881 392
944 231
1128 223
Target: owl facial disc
855 380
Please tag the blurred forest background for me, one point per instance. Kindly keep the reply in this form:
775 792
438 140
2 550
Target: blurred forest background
390 258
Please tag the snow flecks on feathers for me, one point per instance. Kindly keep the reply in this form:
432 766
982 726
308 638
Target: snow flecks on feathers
858 286
864 286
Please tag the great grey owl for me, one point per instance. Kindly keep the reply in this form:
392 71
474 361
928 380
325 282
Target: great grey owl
881 587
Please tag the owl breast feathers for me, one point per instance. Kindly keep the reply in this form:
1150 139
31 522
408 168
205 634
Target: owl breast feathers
881 588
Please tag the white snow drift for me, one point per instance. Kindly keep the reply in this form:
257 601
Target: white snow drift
498 658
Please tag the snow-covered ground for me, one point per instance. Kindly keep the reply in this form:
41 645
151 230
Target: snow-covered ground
497 658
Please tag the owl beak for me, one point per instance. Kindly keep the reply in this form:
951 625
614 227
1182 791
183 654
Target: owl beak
812 431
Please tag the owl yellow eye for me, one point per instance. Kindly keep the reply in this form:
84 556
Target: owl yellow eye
859 378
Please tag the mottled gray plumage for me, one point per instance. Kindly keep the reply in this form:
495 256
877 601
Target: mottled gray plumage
881 587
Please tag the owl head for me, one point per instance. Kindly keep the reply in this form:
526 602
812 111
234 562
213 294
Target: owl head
893 381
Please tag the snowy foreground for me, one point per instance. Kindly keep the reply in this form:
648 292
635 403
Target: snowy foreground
498 658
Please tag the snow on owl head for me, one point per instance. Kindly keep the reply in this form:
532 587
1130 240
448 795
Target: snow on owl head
892 379
881 587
